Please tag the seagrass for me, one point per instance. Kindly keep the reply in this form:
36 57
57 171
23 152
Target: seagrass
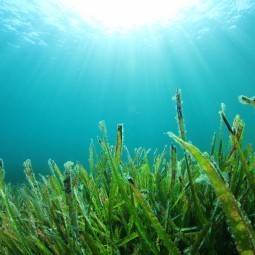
178 201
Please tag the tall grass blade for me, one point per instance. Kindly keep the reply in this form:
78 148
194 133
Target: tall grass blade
141 229
171 247
119 141
240 226
70 198
173 169
235 141
2 185
197 204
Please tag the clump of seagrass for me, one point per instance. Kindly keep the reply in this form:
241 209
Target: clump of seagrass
240 226
154 204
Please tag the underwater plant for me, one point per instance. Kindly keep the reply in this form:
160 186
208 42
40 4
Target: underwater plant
247 100
173 202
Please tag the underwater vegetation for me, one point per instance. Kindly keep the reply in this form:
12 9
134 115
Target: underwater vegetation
247 100
149 203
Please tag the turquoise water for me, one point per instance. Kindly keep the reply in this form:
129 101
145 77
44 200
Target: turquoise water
59 76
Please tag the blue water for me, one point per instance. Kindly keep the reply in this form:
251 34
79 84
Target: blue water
59 78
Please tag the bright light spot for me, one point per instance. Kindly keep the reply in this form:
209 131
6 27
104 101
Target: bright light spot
129 14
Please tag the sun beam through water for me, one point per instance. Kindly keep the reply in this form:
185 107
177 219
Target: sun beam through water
125 15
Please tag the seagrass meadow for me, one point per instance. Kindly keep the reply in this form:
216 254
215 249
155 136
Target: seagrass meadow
179 201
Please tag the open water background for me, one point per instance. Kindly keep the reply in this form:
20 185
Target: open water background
60 76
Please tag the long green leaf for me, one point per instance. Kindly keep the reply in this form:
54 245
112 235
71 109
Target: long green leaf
240 226
141 229
171 247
